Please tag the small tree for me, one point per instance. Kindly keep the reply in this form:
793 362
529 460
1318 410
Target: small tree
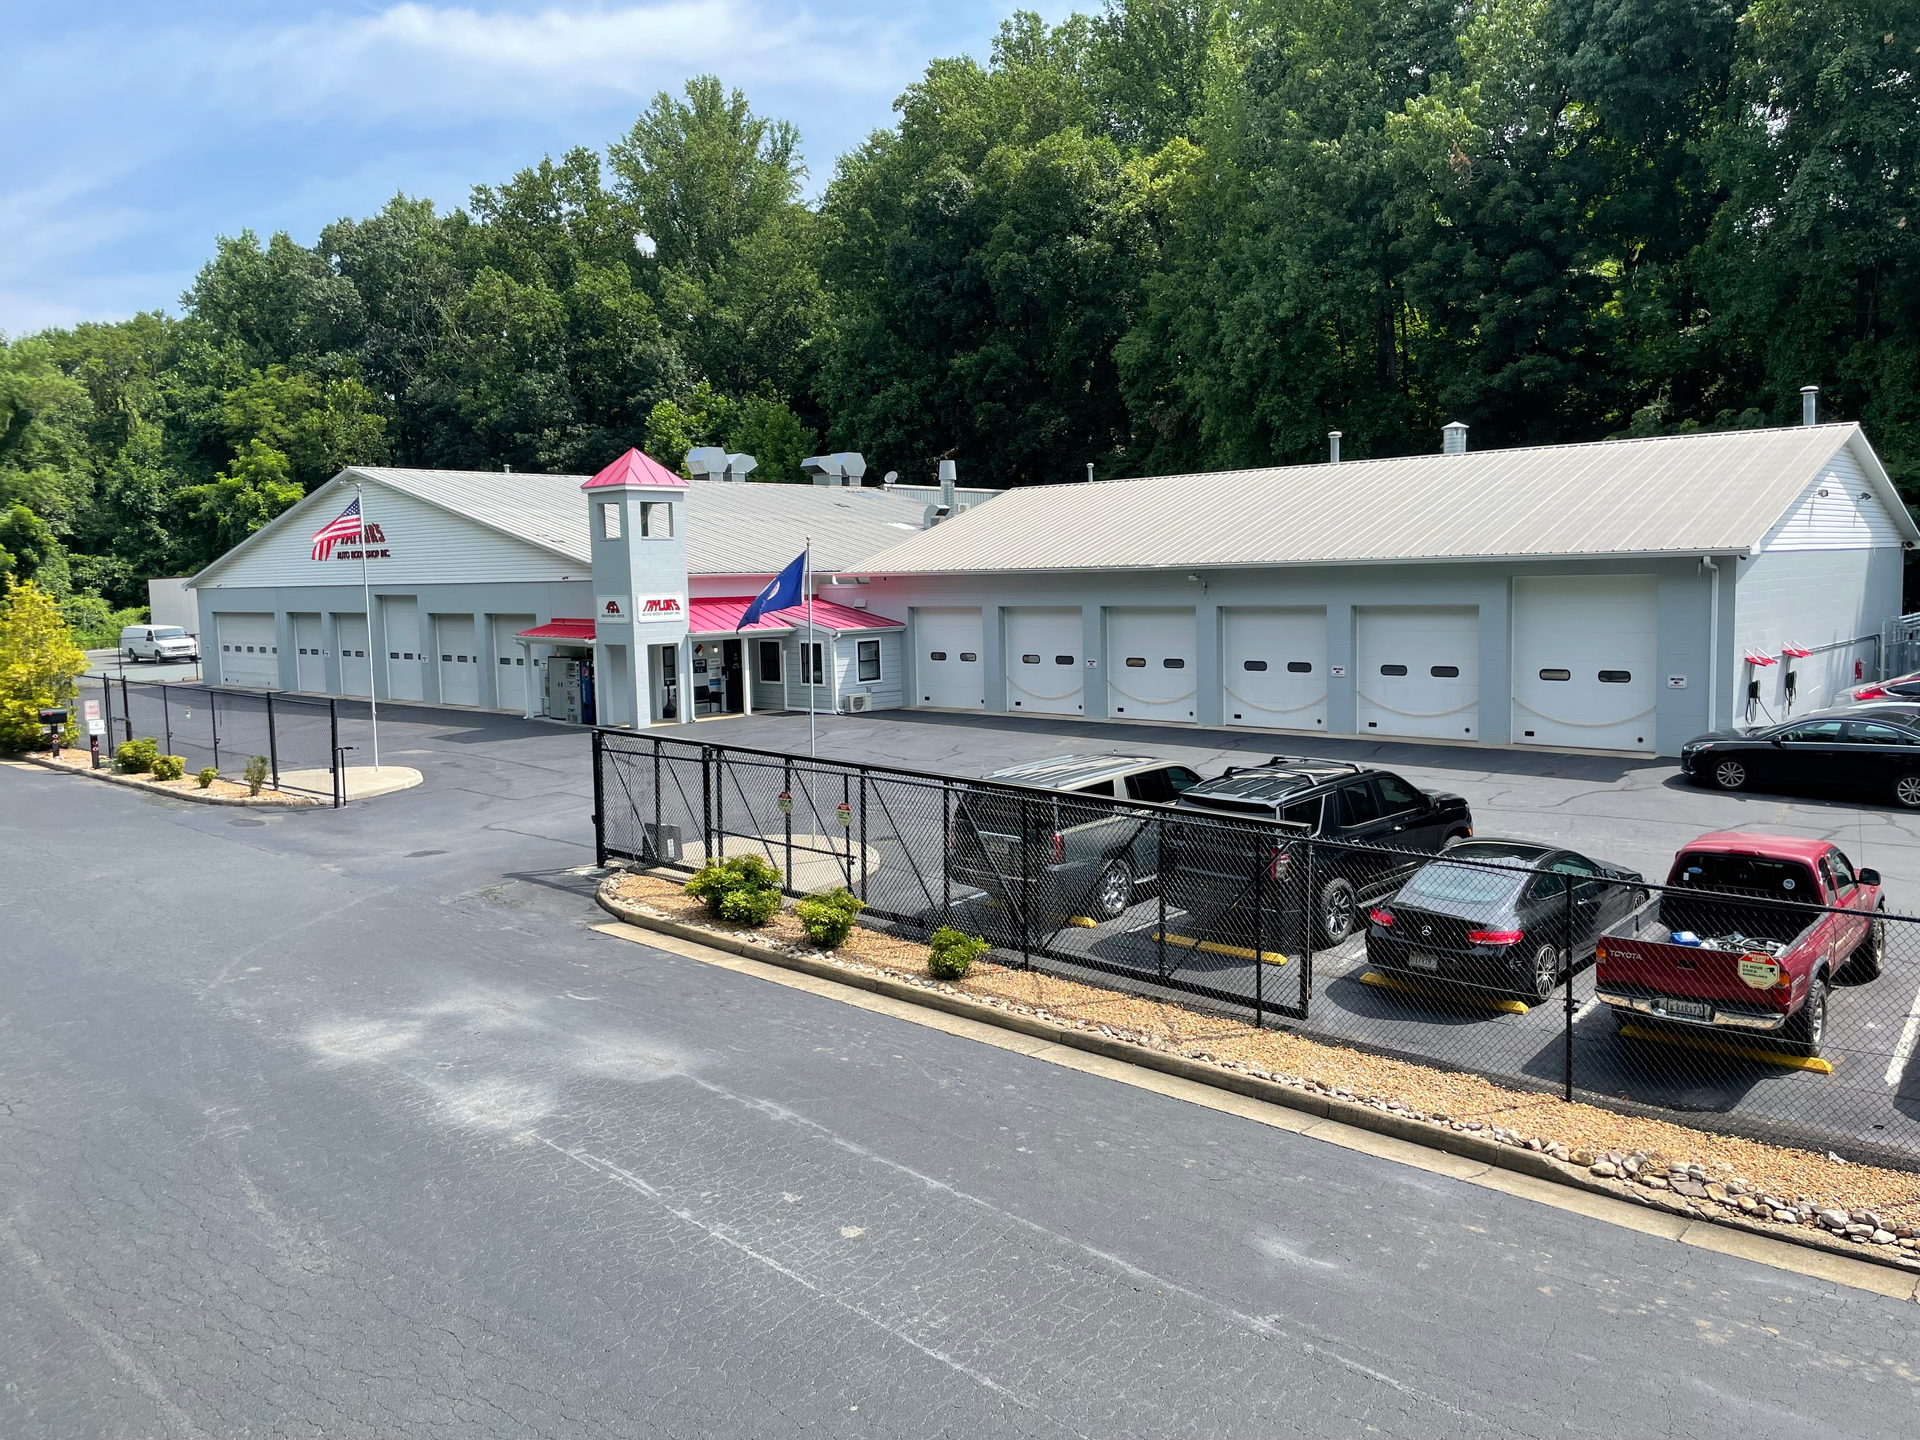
38 663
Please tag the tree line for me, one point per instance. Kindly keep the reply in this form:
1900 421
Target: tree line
1174 235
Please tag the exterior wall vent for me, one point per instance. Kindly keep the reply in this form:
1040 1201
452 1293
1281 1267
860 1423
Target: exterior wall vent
1454 438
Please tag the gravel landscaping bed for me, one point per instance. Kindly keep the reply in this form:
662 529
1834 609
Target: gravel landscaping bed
187 786
1676 1167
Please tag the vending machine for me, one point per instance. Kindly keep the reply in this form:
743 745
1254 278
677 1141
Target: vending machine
567 688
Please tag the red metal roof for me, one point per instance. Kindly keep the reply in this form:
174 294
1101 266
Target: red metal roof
633 468
722 617
559 629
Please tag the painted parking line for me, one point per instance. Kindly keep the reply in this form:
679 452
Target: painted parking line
1909 1034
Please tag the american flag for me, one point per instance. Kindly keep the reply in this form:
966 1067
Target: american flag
346 527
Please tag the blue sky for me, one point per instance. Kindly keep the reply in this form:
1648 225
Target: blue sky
139 132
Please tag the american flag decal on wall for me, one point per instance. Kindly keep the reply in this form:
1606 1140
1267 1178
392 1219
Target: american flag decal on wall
345 527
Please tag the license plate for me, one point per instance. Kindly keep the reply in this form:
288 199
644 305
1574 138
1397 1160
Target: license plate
1689 1009
1429 963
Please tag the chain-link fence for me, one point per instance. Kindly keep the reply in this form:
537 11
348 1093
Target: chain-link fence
224 729
1768 994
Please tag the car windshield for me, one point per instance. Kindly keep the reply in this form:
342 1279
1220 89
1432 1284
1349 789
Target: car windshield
169 632
1466 884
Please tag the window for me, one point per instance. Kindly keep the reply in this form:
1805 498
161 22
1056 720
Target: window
1299 667
1826 732
446 658
1063 659
609 520
1397 797
1255 665
867 658
1444 672
1556 674
1393 669
1616 677
656 520
1105 787
937 655
1357 804
1842 868
1136 662
505 661
1547 886
1304 812
1174 662
968 657
1029 659
1153 785
1863 732
812 668
770 661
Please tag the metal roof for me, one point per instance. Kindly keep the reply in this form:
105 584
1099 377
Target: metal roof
731 529
1675 494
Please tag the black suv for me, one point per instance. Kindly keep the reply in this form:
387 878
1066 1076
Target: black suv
1358 818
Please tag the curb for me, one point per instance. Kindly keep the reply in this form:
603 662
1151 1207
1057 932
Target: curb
192 797
1347 1112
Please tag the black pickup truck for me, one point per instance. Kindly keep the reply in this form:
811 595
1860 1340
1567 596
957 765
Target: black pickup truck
1369 829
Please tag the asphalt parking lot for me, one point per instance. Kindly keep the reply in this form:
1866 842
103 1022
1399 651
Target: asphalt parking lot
1631 811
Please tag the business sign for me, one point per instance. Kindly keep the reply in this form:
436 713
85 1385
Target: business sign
1676 682
369 537
659 607
610 610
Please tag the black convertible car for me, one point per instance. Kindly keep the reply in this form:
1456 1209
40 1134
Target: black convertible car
1501 921
1876 757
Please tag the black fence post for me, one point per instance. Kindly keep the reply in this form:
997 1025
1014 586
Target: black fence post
846 821
599 800
1160 892
946 852
1260 936
213 719
273 743
1026 885
333 749
706 803
166 720
720 800
656 798
863 832
1567 965
786 811
126 707
1307 915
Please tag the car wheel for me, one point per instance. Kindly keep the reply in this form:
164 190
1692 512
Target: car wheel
1732 775
1113 891
1336 916
1864 964
1808 1029
1546 974
1906 792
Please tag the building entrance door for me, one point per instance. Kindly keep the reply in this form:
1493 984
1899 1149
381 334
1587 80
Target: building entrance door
736 678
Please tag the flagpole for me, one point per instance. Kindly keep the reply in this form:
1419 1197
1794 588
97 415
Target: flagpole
812 744
366 591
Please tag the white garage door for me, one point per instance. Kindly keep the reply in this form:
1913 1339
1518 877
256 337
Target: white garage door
1274 669
310 665
248 652
356 667
1584 651
459 664
1043 661
1419 671
510 662
946 663
401 614
1152 662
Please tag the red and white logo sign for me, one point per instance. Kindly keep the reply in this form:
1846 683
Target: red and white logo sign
661 607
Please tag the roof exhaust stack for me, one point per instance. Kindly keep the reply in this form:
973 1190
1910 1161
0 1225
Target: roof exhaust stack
1809 403
1455 438
1333 447
946 509
843 467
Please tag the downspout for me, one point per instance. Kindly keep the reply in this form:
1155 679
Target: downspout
1713 644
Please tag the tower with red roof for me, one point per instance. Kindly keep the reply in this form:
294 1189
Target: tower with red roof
636 513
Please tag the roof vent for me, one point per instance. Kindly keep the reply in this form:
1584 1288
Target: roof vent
1454 441
1809 404
946 509
843 467
710 462
1333 447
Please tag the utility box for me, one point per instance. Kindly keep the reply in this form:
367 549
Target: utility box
660 843
565 692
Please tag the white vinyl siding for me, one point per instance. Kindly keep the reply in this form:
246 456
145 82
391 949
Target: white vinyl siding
1585 648
1419 671
948 668
1274 668
309 659
1043 661
1152 664
1812 600
1837 511
249 653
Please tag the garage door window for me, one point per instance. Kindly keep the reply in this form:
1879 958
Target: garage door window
1063 659
1029 659
1255 665
1616 677
1299 667
1393 669
1174 662
967 656
937 655
1445 672
1556 674
1136 662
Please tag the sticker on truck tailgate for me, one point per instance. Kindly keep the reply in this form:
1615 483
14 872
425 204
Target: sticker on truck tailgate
1759 971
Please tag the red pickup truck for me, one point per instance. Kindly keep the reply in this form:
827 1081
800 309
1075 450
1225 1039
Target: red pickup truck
1747 940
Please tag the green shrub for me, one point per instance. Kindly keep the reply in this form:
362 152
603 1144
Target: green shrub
256 774
745 889
206 777
828 918
136 757
952 952
169 767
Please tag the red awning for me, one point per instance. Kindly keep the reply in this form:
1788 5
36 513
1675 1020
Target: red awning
722 617
559 629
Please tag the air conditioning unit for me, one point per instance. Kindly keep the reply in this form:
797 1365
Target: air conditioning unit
858 703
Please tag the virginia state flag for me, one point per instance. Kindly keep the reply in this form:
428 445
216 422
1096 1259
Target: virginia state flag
783 590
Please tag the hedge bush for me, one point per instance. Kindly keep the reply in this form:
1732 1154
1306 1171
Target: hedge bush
206 777
828 918
744 890
136 757
951 953
169 767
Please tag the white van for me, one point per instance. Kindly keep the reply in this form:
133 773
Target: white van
158 642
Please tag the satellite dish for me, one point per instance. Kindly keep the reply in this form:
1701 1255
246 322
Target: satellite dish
890 478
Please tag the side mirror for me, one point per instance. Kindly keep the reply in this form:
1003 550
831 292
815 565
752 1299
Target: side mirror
1868 877
1777 741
